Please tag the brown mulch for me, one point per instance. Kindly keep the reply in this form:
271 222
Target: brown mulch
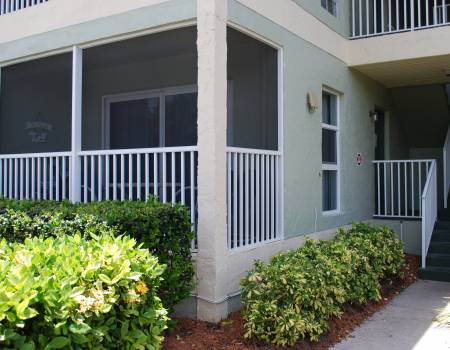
228 335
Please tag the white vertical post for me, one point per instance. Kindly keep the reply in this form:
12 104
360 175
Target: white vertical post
212 255
77 93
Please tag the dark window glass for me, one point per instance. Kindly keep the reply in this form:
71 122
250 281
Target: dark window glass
181 120
329 109
329 152
329 188
134 124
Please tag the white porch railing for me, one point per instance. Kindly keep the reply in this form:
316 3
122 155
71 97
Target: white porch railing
378 17
35 176
8 6
136 174
429 205
399 185
253 197
446 166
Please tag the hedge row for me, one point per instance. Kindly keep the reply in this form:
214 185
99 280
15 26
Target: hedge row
70 292
164 229
293 296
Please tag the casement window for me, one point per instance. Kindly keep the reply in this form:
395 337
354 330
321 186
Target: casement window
330 6
330 152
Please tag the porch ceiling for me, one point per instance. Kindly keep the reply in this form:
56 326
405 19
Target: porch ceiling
420 71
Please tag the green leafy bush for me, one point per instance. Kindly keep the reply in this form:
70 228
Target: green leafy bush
164 229
73 293
293 296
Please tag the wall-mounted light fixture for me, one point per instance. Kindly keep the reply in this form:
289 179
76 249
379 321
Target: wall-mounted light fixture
373 115
313 104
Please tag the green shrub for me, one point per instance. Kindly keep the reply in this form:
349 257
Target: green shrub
164 229
73 293
293 296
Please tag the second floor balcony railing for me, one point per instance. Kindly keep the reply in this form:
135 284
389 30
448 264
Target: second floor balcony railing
378 17
8 6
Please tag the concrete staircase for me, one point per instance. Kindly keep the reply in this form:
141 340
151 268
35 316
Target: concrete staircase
438 258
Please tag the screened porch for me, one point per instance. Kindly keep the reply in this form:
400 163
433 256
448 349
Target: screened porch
119 122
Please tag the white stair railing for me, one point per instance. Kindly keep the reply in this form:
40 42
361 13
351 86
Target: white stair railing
446 167
399 185
429 211
8 6
378 17
254 197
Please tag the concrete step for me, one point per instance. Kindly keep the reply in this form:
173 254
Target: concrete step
439 247
435 273
440 236
443 224
438 260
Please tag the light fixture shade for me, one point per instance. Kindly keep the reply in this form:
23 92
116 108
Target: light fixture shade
313 104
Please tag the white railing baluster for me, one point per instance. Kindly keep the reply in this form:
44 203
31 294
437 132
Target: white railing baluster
122 177
173 183
267 197
138 177
247 201
240 194
45 184
272 197
392 188
252 199
33 179
64 174
183 178
155 175
21 179
39 178
27 178
235 200
51 182
164 177
16 178
107 177
258 199
229 197
130 177
115 177
353 18
193 192
99 178
379 189
92 191
85 179
147 176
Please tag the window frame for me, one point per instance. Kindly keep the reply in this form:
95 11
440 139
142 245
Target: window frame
329 166
139 95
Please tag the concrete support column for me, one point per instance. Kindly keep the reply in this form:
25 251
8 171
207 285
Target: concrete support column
212 131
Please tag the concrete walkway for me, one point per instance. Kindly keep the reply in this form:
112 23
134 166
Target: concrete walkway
408 322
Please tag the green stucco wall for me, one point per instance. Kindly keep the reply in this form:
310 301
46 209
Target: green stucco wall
340 24
308 69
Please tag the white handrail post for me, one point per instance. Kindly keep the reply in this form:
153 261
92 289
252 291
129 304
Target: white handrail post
77 93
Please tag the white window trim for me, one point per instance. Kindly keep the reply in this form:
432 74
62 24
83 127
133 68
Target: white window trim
334 167
138 95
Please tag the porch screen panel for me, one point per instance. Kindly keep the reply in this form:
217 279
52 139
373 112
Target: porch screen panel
181 120
134 124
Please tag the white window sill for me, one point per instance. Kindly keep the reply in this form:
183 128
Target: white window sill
332 213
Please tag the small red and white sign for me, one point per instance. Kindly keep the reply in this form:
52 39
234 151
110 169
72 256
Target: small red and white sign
359 159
